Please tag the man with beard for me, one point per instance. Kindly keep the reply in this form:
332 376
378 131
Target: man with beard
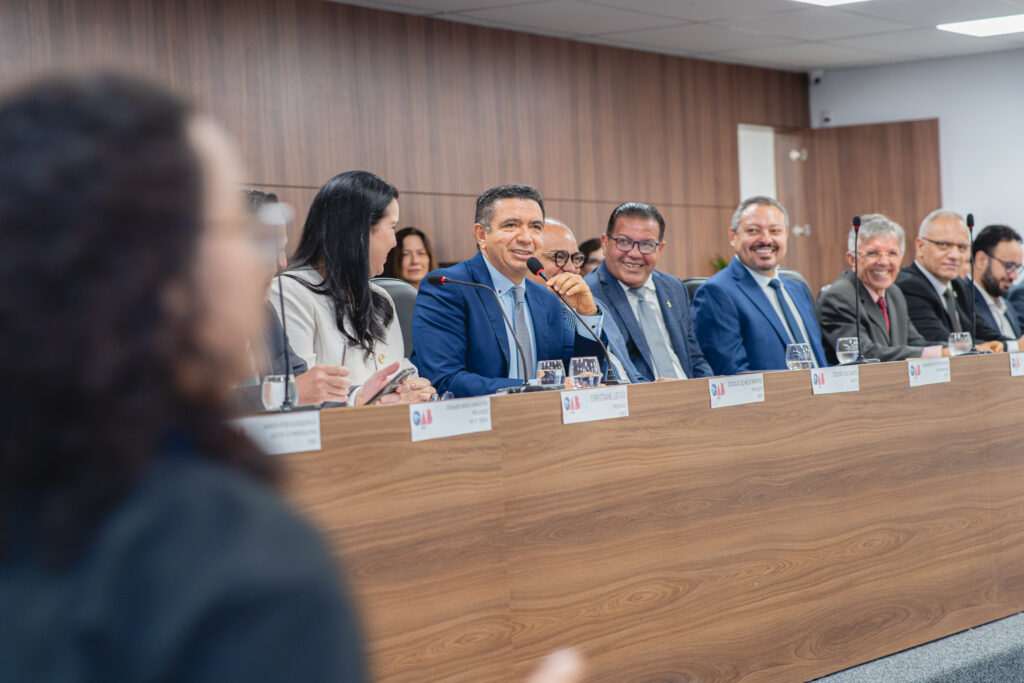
998 254
746 314
886 331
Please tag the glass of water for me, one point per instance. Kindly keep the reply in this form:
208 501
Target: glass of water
551 372
959 343
273 391
847 349
798 357
584 372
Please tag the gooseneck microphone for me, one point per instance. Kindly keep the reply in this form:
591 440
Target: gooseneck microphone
974 324
534 265
436 279
860 359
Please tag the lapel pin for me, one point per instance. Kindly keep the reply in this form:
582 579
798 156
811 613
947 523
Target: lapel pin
668 303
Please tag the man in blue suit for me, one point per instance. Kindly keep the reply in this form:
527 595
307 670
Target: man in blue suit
998 253
461 341
651 308
746 315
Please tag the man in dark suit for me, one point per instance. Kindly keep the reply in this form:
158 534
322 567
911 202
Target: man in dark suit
936 296
651 308
747 314
886 331
461 341
998 255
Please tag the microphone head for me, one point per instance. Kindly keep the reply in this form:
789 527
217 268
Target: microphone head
534 265
856 222
435 279
970 220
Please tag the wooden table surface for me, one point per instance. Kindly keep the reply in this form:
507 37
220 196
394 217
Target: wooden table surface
777 541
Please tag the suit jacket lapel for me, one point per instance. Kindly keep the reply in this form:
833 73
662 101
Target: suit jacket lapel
676 338
748 286
548 323
616 298
933 294
478 269
874 312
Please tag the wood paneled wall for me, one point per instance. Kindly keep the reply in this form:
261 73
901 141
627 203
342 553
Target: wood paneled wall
443 110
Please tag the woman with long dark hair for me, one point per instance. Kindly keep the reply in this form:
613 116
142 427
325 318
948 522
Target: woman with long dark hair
333 313
412 258
141 538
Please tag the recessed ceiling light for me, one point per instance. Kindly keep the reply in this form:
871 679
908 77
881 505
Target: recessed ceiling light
830 3
996 26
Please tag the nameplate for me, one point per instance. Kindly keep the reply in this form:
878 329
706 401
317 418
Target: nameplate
279 433
835 380
438 419
735 391
1017 364
928 371
587 405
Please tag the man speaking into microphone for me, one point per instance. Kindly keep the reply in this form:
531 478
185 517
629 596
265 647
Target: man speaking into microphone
461 340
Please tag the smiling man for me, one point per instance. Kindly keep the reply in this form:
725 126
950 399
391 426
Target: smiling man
746 314
886 331
461 341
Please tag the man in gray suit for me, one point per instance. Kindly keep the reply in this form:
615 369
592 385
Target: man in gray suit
886 331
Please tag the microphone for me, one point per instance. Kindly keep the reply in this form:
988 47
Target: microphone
439 280
860 359
288 403
974 323
537 268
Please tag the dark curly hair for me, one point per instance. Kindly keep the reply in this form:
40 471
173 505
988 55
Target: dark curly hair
101 211
336 238
393 266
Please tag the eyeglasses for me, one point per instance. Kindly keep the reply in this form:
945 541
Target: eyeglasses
561 257
626 244
946 246
874 254
1010 266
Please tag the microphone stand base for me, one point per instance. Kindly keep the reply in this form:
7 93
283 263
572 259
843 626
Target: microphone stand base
861 361
972 352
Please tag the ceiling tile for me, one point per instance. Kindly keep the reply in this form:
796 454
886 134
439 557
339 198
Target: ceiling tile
700 10
809 56
926 42
571 17
931 12
813 23
429 6
698 38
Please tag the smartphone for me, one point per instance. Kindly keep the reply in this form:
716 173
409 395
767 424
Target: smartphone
392 385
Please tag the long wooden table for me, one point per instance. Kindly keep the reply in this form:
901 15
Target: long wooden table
770 542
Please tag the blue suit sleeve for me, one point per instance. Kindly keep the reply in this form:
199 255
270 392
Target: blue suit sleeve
717 325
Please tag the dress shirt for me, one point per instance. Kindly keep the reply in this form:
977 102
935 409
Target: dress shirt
503 286
997 306
940 288
634 305
762 282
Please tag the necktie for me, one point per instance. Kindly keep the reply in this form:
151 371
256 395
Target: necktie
794 326
954 315
885 312
522 330
656 342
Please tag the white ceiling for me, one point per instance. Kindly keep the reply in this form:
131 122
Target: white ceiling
781 34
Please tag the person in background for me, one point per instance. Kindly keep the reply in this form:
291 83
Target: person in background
747 314
332 309
886 331
651 308
412 258
998 256
141 538
593 254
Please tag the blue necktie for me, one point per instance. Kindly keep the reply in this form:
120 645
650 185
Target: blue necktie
522 331
794 326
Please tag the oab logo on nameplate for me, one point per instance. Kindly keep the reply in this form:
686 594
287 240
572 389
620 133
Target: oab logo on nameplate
438 419
1017 364
836 380
279 433
735 391
586 405
928 371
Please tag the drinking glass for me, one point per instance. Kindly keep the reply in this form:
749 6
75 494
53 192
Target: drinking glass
273 391
798 357
551 372
847 349
959 343
584 372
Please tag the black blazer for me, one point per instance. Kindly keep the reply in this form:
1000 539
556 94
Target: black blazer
836 311
928 310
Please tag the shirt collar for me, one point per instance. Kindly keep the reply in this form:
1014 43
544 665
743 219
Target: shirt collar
940 288
649 285
502 284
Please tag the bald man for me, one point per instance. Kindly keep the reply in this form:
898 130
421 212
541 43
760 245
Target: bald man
561 254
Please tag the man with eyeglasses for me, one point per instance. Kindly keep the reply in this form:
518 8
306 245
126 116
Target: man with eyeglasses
747 314
998 254
649 307
937 299
886 331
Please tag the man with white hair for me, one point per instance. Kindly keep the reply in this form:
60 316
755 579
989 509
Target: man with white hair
886 331
936 296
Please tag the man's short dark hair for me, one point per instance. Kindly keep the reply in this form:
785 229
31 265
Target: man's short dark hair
485 202
637 210
990 237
